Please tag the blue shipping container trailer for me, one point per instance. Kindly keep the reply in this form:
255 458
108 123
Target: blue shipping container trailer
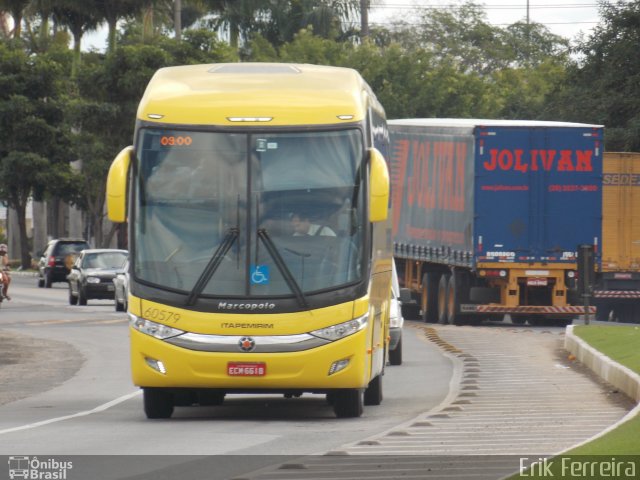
488 215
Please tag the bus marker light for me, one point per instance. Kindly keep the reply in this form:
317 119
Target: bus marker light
249 119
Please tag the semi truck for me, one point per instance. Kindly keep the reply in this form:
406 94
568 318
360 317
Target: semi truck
617 288
489 214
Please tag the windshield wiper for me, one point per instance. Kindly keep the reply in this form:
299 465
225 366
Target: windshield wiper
282 266
212 266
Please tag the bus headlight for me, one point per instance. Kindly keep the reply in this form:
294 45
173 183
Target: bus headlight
156 330
341 330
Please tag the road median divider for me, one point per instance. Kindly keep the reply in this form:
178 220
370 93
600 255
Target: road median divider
621 377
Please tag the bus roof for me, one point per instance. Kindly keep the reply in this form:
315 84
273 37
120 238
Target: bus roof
269 94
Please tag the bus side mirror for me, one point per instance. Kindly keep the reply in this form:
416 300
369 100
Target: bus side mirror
378 187
117 186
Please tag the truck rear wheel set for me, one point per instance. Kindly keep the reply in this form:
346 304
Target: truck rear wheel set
441 299
429 297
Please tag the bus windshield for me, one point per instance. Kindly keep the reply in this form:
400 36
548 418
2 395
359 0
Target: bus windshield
220 214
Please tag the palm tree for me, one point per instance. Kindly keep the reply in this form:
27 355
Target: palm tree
79 16
111 12
239 16
16 10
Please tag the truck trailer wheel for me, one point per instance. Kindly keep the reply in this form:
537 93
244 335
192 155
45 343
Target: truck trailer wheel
457 293
429 297
443 287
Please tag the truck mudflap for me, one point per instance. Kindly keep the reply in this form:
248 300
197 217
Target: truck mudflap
616 293
528 309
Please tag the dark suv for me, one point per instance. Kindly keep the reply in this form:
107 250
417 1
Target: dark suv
57 260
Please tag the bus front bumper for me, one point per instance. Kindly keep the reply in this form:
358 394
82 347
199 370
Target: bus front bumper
339 364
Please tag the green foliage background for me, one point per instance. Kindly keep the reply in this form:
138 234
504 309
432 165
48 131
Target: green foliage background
59 104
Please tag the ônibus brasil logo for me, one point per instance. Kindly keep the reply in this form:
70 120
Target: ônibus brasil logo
32 468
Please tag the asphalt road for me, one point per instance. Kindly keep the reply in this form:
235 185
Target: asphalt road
66 390
464 396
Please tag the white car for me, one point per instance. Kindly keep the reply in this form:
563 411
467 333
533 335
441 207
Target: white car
121 289
396 321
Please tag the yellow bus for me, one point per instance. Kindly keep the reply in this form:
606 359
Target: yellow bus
260 248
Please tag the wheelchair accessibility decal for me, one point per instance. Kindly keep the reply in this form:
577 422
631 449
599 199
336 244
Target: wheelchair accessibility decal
260 275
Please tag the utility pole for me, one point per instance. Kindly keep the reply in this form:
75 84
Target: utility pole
364 19
177 18
528 46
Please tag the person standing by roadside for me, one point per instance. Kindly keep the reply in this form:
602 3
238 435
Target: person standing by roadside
4 270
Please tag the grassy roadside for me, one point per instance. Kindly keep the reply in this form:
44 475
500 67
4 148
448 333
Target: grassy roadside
621 344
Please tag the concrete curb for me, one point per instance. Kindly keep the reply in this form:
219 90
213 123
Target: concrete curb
621 377
617 375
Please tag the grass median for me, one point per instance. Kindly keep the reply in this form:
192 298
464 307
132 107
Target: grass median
622 345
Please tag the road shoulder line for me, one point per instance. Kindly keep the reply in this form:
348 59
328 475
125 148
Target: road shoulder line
98 409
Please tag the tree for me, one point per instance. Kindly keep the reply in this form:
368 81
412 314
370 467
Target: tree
464 36
238 16
115 10
34 140
16 9
278 21
604 85
308 48
80 16
415 83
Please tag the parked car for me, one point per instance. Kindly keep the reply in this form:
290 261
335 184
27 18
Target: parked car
57 258
92 274
396 319
121 288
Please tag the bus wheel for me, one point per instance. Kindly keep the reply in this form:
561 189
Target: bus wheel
443 286
429 297
158 403
348 403
373 393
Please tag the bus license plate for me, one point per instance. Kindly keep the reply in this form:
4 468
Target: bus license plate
243 369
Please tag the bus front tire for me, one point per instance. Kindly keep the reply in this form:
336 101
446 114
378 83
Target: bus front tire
158 403
373 393
348 403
